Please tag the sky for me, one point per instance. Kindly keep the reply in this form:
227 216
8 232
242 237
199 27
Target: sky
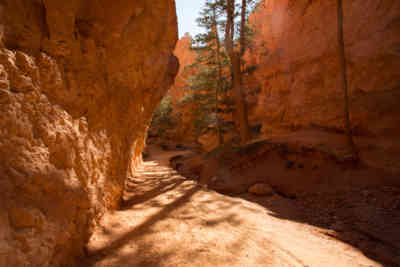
188 11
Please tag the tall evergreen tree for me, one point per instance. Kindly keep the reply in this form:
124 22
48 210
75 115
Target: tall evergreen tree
221 64
219 77
209 81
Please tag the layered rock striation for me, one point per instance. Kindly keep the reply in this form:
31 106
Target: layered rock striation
79 81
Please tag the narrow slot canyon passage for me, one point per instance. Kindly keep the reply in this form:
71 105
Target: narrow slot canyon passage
199 133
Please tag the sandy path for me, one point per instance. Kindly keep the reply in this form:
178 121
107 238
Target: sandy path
169 221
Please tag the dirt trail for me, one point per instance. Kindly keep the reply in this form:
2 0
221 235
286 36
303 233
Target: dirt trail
170 221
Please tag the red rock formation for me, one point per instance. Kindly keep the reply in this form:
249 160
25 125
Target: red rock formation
298 68
78 84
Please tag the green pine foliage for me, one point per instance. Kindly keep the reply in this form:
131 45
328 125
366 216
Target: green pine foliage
202 97
203 85
162 116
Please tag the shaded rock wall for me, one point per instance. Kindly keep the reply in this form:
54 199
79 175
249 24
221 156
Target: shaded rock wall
298 67
79 81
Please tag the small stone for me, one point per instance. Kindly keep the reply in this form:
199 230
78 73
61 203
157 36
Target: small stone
261 189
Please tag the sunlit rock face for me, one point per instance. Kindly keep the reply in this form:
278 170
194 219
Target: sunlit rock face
79 81
295 51
187 57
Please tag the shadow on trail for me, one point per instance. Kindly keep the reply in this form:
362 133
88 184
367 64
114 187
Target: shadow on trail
162 188
345 216
359 214
143 229
167 220
157 202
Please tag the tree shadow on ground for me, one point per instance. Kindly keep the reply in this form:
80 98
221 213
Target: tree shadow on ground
357 213
165 200
163 187
159 199
140 230
363 221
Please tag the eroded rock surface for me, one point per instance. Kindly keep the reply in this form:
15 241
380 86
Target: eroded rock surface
79 81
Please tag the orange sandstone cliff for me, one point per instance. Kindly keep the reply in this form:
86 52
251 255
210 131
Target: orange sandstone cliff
295 51
79 81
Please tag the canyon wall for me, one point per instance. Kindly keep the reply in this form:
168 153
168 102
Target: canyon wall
297 66
79 81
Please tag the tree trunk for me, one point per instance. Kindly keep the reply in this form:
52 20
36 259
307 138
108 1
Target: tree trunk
241 110
343 76
242 28
219 81
230 9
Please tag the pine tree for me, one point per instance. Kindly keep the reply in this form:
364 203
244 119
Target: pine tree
210 79
219 67
219 77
